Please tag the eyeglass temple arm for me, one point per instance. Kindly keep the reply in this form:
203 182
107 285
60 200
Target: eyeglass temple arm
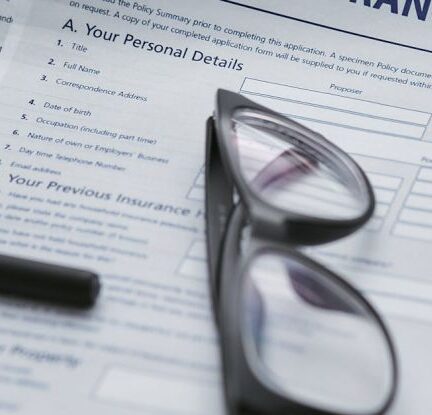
218 203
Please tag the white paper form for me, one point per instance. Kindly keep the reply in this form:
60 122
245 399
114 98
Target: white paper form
103 107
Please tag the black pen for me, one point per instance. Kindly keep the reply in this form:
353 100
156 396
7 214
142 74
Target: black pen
48 282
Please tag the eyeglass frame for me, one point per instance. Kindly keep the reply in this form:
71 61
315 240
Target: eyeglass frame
271 228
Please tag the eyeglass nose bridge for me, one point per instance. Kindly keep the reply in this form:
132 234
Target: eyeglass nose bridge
284 227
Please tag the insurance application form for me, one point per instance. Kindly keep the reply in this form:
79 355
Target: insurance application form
103 106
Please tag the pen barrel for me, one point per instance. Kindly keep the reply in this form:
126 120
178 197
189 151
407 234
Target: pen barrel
48 282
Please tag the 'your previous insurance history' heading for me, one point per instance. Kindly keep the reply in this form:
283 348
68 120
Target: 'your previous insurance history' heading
130 40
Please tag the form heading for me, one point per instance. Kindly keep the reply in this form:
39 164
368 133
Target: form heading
419 8
134 42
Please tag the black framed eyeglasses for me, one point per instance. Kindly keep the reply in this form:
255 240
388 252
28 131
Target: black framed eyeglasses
295 337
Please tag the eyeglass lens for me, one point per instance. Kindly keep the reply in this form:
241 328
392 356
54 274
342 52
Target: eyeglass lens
312 339
280 169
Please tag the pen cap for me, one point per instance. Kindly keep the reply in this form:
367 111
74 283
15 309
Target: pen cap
48 282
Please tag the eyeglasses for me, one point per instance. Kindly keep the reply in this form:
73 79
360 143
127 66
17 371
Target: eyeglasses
295 337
